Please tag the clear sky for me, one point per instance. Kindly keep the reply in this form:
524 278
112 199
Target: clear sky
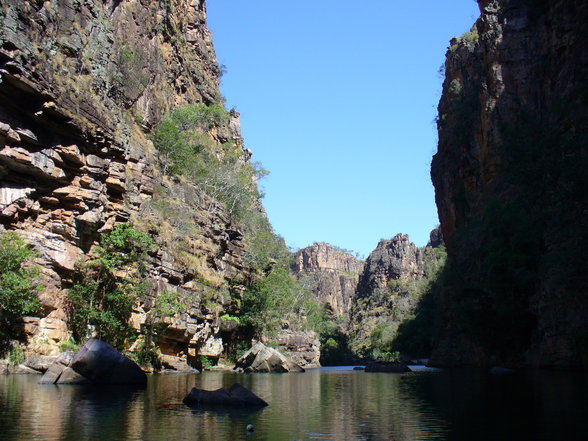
338 101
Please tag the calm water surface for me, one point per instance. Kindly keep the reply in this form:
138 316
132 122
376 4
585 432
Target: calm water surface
324 404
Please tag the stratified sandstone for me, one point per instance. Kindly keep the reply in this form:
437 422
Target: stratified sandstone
334 274
80 84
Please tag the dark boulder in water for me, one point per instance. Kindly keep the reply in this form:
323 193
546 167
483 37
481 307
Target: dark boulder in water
393 366
97 362
235 396
102 363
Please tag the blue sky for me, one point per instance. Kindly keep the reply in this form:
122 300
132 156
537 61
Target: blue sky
337 101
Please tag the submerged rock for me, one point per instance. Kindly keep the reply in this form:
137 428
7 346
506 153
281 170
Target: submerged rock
260 358
236 395
394 366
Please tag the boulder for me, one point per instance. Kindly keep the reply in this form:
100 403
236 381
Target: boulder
55 370
260 358
102 363
40 363
394 366
302 347
176 364
235 396
69 376
97 362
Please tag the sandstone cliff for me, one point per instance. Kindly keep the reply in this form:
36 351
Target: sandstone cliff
81 83
510 187
394 279
334 274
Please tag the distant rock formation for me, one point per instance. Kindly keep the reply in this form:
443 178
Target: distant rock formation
303 347
394 279
334 274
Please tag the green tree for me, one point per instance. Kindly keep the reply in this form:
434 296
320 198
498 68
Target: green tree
275 298
187 149
18 288
107 287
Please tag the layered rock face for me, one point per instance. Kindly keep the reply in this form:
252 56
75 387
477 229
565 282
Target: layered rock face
392 282
510 187
81 81
334 274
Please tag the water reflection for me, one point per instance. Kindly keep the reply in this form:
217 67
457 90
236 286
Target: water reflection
324 404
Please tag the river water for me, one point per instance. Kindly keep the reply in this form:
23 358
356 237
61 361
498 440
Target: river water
324 404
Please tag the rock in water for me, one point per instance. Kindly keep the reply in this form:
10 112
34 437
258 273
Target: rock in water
54 372
236 395
102 363
260 358
396 367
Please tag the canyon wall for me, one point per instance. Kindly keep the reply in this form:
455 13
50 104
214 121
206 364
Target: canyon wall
333 273
81 84
510 186
396 276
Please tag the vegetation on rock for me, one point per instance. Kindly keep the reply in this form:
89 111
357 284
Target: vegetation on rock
382 315
187 149
107 287
18 287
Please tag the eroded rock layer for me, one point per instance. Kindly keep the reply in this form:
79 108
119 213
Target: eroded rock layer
334 273
80 83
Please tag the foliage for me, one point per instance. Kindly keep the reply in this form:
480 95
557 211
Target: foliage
18 289
15 354
416 331
275 298
69 345
334 341
146 356
188 150
107 287
471 36
266 249
168 304
205 362
228 317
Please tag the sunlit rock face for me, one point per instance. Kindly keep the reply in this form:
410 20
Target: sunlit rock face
81 84
510 187
334 274
391 285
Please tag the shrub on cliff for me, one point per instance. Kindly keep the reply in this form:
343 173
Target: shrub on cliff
18 289
277 298
187 149
107 287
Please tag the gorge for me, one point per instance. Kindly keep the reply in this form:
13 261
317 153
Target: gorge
115 140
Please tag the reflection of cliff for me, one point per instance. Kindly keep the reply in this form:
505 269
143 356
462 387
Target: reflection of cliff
336 405
510 184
